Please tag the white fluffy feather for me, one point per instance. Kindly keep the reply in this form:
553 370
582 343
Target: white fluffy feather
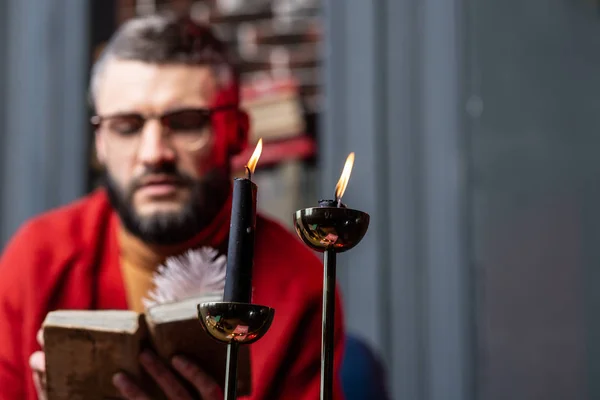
194 273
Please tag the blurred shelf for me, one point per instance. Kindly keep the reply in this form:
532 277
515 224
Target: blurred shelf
240 16
275 152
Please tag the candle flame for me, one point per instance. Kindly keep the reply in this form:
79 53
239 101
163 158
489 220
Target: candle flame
340 188
255 156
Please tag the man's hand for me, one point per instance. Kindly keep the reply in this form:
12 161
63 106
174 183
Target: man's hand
37 363
206 386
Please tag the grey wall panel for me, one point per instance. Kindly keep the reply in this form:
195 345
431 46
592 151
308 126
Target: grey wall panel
535 166
44 157
393 95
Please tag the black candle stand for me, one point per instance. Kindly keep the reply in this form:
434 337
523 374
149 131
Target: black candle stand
330 228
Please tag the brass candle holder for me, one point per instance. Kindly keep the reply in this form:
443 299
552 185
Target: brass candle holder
234 324
331 228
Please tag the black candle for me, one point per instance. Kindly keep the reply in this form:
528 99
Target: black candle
331 203
240 251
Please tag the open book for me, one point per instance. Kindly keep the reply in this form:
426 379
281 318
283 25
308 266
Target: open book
84 349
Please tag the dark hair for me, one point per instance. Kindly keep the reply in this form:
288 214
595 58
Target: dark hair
164 39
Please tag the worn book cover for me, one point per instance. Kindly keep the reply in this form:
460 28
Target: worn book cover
85 348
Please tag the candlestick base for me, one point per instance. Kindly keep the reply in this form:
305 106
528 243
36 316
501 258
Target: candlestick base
331 228
229 322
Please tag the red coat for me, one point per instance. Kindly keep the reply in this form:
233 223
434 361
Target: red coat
68 259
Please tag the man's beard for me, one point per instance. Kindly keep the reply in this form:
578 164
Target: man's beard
207 196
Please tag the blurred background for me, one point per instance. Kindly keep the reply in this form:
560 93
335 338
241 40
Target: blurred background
475 126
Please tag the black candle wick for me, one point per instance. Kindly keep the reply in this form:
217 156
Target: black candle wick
338 199
249 173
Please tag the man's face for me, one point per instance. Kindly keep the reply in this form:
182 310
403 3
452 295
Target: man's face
161 180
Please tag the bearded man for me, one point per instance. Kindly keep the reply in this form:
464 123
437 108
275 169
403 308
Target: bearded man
166 126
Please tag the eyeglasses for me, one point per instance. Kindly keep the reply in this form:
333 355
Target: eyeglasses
183 120
184 126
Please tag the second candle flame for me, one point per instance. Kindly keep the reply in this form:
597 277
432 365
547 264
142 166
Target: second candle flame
255 156
340 188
